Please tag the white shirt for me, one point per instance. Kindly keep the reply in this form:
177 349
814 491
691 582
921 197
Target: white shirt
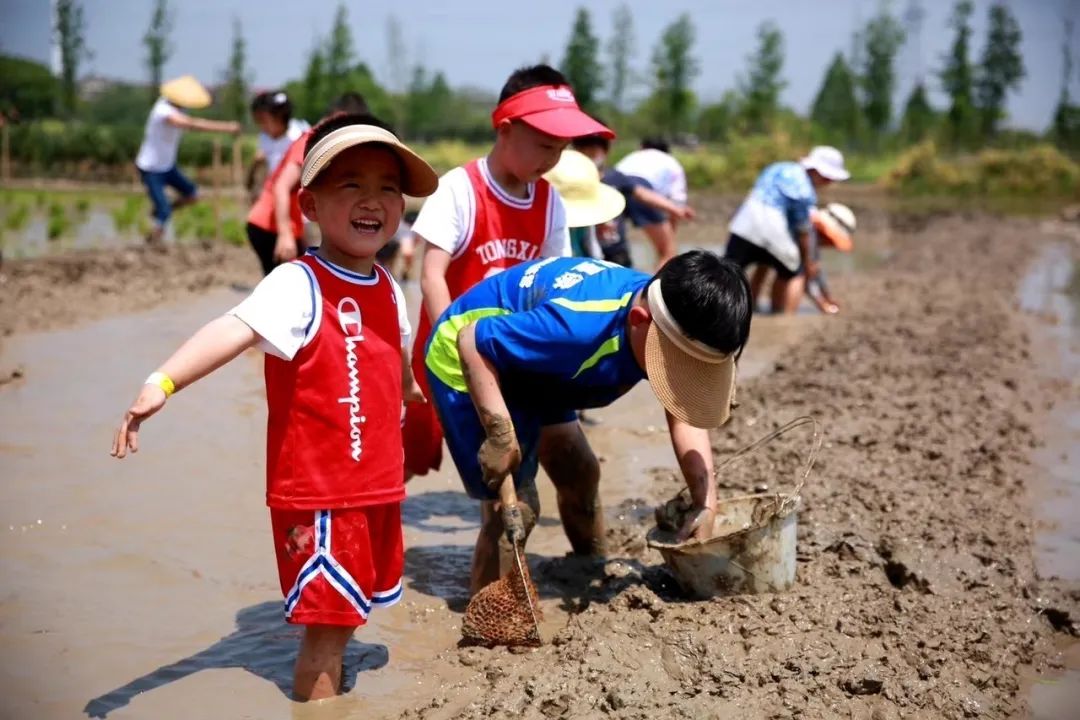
280 310
273 149
660 169
161 141
446 218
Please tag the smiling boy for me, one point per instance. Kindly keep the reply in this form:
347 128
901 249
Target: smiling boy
333 326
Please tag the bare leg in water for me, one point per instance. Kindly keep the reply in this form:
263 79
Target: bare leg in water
575 472
317 675
493 555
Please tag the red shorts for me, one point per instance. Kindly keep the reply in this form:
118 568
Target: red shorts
421 433
335 565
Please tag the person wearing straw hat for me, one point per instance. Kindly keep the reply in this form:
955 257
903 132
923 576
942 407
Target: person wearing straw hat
511 360
587 200
772 226
156 159
335 333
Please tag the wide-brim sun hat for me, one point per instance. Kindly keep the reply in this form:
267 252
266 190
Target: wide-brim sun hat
587 200
835 224
693 381
828 162
418 178
186 92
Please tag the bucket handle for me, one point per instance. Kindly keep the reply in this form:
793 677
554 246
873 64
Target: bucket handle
808 465
811 456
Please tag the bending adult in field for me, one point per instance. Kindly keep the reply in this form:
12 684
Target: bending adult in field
772 226
511 360
161 143
654 167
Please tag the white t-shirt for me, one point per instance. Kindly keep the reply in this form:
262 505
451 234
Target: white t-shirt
446 218
273 149
660 169
280 309
161 141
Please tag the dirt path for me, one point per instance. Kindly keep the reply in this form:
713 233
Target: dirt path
916 592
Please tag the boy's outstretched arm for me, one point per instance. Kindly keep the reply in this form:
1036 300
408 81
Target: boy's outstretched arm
499 454
660 202
215 344
694 452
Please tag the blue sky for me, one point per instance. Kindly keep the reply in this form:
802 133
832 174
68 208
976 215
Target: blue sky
478 42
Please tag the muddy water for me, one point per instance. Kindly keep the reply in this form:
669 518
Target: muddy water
1051 295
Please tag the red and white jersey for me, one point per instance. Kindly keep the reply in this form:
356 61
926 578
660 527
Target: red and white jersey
334 410
504 230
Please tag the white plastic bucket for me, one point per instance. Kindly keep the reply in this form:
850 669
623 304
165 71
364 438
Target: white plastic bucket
752 552
753 548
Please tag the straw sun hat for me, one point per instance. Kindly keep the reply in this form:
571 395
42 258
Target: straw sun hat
186 92
418 179
587 200
693 381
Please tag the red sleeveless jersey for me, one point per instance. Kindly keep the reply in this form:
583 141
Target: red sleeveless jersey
503 232
334 412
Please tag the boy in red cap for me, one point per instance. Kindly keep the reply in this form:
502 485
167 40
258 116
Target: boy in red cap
491 214
333 327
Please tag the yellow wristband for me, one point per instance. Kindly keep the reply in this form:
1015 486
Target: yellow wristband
163 381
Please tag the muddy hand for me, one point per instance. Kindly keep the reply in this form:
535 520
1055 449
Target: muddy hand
151 399
513 522
499 456
698 525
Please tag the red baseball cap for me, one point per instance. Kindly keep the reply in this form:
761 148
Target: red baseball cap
551 109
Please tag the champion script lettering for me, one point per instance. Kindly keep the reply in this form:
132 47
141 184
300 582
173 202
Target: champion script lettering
348 312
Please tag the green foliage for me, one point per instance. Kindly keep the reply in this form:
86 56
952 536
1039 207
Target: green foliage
620 48
313 94
1065 129
338 56
27 89
69 32
881 40
117 104
233 231
581 64
1039 171
836 108
717 121
234 90
1001 67
127 214
961 122
674 68
57 222
156 42
919 118
17 217
762 85
427 105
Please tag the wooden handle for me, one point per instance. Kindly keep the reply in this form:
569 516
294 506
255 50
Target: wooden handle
507 494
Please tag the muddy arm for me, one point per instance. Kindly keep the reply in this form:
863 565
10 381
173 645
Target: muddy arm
694 452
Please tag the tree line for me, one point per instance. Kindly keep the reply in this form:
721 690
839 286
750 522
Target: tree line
853 107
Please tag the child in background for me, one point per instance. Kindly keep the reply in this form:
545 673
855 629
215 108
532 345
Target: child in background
649 205
330 323
278 129
833 226
275 225
654 167
492 214
156 160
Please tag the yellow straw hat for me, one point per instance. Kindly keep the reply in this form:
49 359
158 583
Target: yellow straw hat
587 200
187 92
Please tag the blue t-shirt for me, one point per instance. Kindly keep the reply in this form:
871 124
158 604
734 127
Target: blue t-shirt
786 186
554 329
